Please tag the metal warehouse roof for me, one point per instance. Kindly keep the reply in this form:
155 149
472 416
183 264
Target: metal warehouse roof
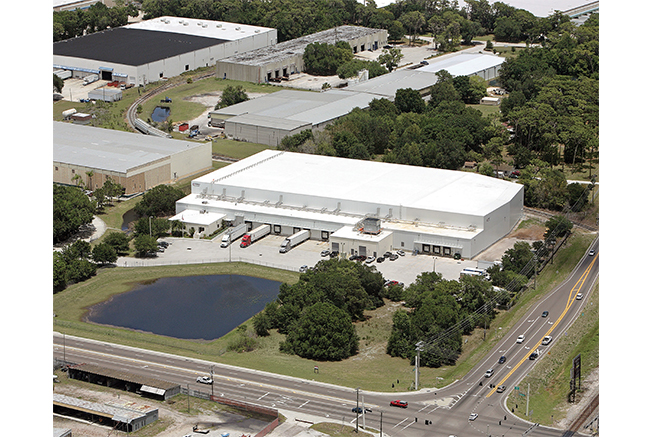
109 149
297 46
367 181
124 376
464 64
129 46
269 122
298 106
387 84
122 413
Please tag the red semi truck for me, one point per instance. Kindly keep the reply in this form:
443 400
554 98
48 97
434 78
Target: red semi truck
255 234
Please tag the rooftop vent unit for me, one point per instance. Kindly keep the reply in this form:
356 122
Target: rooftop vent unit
237 28
371 225
218 25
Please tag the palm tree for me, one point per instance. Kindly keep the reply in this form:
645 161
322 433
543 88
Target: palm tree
90 174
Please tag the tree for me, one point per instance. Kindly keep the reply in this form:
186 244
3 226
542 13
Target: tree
578 196
159 201
71 210
118 241
323 59
154 226
557 227
391 58
324 332
396 31
518 257
58 83
409 100
104 253
413 21
231 95
145 245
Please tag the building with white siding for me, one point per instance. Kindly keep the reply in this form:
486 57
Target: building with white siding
151 50
361 207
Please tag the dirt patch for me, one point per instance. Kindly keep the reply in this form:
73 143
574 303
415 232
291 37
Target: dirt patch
532 232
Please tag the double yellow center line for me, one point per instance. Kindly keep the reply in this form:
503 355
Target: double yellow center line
571 297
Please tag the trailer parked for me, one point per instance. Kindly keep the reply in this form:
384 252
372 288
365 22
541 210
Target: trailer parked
294 240
233 234
254 235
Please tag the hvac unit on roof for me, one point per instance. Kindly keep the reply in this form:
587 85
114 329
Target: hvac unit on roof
218 25
204 25
237 28
257 31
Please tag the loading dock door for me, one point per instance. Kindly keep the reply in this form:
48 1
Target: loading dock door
363 251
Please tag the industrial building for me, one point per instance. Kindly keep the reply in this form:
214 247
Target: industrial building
270 118
152 50
137 162
123 416
274 62
360 207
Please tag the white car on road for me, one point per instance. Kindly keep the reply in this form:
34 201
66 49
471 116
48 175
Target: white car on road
204 380
520 339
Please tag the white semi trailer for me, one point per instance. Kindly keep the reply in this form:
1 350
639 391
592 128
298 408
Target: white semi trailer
233 234
294 240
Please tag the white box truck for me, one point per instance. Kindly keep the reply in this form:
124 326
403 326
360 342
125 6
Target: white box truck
294 240
255 234
233 234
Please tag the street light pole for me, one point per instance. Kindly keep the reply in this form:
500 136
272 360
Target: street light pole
416 365
357 405
212 382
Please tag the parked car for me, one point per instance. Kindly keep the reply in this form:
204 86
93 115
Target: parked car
398 403
546 340
393 257
520 339
370 259
334 253
473 416
303 269
400 252
500 389
489 373
353 257
387 254
325 252
502 359
544 314
204 380
380 259
388 283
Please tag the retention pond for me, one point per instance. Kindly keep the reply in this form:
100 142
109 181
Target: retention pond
189 307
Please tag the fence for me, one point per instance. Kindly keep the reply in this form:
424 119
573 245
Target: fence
244 406
143 262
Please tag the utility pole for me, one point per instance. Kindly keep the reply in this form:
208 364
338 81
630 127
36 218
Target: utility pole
381 423
416 365
212 382
527 402
357 405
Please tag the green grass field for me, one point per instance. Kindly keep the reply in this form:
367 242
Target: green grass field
370 369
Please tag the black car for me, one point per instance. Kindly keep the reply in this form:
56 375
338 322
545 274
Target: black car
380 259
502 359
353 257
544 314
359 410
334 253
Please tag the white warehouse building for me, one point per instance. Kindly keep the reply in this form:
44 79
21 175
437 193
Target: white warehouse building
159 48
361 207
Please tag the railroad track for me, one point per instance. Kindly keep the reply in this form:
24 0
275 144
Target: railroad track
550 215
131 112
588 411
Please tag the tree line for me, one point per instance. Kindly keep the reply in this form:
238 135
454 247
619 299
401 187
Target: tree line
73 209
97 17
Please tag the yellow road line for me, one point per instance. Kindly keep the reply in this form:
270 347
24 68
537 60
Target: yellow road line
572 294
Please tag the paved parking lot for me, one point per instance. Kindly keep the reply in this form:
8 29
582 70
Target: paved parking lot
265 252
74 89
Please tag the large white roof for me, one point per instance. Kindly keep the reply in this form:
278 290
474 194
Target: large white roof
366 181
109 149
205 28
464 64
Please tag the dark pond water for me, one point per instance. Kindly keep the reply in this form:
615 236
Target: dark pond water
161 113
191 307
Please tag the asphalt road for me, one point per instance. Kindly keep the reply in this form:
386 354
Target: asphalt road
447 409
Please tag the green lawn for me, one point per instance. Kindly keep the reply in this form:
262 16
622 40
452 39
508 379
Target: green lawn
237 149
370 369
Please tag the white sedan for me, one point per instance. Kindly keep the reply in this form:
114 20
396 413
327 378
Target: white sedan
520 338
204 380
473 416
